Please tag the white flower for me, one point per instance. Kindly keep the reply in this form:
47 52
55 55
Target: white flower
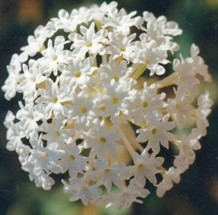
90 112
77 72
121 45
143 102
55 132
89 41
11 84
66 21
29 115
36 41
52 97
121 22
199 65
156 133
71 160
43 180
14 133
45 158
161 30
107 175
186 154
146 166
31 79
53 54
102 140
113 71
202 112
172 175
80 190
82 110
111 103
150 55
181 108
127 196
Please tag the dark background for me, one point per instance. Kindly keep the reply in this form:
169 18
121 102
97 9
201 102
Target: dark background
197 193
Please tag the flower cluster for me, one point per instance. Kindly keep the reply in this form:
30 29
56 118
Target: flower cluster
95 87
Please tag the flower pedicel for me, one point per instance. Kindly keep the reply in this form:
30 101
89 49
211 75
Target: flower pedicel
94 86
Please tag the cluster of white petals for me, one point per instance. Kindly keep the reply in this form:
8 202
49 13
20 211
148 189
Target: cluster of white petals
100 108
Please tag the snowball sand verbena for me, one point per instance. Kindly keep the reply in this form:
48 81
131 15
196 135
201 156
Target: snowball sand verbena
99 82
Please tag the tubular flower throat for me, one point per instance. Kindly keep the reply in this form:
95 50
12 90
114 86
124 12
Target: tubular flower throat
94 88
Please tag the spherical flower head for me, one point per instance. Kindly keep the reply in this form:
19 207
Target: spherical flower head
88 99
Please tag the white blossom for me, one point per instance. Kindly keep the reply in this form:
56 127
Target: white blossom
72 161
88 101
146 167
53 55
169 177
102 140
107 175
89 41
156 133
81 190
